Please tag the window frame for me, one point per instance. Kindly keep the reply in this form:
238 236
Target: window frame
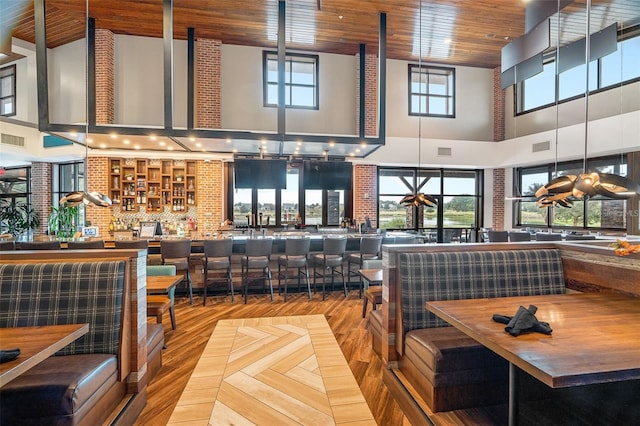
290 59
450 96
11 73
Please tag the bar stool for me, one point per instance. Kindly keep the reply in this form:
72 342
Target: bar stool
85 245
38 245
178 253
519 236
369 250
498 236
331 258
257 256
295 255
132 244
217 257
548 236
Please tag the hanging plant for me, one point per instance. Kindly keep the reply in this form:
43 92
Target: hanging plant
62 220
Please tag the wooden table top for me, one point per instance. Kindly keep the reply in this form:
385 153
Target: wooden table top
371 275
36 344
278 370
160 284
595 337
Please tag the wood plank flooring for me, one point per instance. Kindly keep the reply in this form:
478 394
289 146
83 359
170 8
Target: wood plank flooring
195 323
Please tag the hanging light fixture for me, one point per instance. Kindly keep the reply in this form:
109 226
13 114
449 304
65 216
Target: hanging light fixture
561 190
419 198
76 198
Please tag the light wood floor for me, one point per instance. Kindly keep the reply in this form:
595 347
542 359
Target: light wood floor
195 324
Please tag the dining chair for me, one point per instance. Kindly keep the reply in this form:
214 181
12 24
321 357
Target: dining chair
296 251
369 250
330 259
217 258
578 237
178 254
498 236
158 304
548 236
132 244
257 256
85 245
38 245
519 236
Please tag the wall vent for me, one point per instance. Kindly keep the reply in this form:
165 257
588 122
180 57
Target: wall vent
541 146
12 140
444 152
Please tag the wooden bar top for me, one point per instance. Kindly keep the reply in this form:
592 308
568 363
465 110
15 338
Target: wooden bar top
595 337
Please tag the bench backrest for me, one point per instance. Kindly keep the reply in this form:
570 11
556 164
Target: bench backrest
472 275
66 293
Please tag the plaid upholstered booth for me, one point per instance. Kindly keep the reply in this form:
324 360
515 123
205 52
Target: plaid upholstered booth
82 384
450 370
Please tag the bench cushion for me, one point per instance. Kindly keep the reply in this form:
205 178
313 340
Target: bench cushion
66 293
473 275
57 388
446 356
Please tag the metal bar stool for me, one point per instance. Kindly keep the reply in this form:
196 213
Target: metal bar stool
257 256
331 258
295 255
369 250
178 253
217 258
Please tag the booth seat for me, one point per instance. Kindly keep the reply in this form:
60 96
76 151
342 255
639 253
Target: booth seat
448 369
84 383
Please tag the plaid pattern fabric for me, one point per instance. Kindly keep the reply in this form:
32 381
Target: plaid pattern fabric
66 293
472 275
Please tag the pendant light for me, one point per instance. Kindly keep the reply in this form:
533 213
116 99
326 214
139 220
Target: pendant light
78 197
419 198
561 190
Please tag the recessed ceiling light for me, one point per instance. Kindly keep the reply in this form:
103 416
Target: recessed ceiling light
228 140
74 134
152 137
103 146
447 41
235 150
363 144
114 136
357 149
352 154
192 139
136 147
199 145
170 148
89 140
332 144
162 143
126 142
299 143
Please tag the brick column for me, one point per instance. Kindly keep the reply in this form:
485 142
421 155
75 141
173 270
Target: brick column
371 95
208 86
498 135
210 195
41 193
365 195
104 77
97 169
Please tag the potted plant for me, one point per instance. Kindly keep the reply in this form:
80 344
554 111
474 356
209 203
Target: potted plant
62 220
16 218
128 176
179 177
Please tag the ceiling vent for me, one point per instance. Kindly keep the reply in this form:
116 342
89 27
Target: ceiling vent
12 140
541 146
444 152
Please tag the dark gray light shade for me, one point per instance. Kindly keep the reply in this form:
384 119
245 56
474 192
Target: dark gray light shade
539 10
602 43
526 46
522 71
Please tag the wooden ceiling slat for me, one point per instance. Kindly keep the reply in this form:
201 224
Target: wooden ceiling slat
478 28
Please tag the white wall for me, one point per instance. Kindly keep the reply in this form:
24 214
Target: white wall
474 106
68 83
242 98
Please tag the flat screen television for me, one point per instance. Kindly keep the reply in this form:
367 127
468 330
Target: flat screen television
260 174
150 229
327 175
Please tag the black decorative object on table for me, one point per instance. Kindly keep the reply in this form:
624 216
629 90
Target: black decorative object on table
523 321
9 355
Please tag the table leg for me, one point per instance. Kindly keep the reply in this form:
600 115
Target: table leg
513 395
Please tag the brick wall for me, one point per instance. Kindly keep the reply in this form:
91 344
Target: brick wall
498 199
365 193
371 95
104 77
210 195
41 185
208 87
97 169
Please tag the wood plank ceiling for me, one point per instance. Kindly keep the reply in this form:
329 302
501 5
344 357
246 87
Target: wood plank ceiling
460 32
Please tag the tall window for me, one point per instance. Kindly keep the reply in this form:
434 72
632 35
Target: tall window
15 188
301 80
593 213
458 193
68 177
610 71
8 91
431 91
